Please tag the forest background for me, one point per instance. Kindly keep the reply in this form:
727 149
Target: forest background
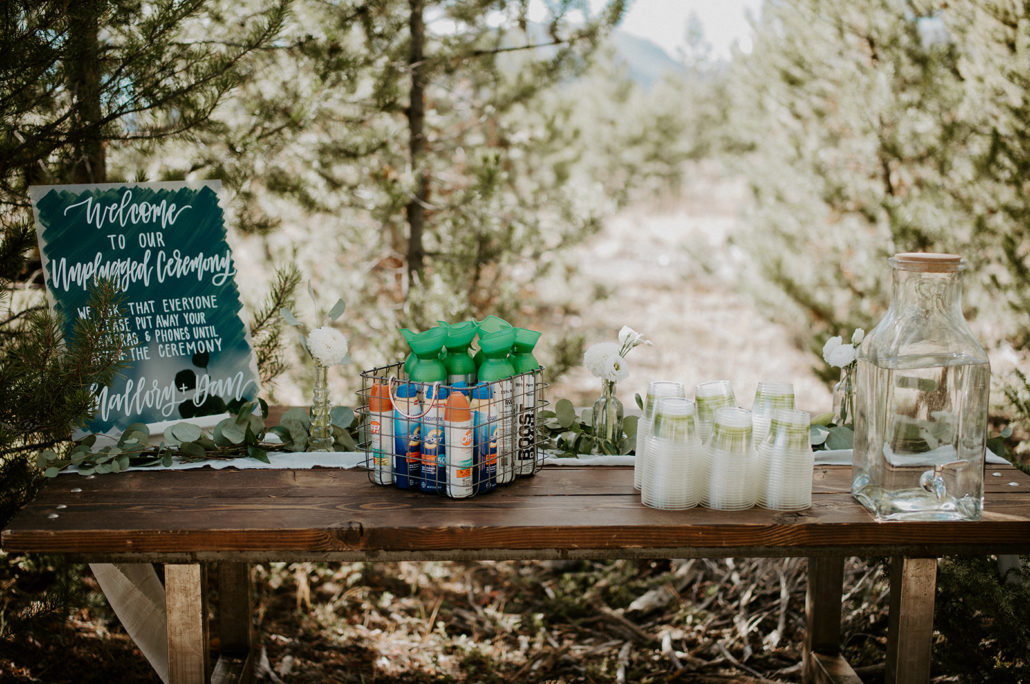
430 159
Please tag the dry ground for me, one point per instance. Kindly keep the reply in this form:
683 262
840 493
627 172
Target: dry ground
676 276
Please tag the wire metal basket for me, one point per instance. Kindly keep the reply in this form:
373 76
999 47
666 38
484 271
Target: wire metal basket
422 440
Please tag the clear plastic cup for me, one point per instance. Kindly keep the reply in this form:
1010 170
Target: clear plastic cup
655 390
711 396
769 395
788 462
672 479
731 461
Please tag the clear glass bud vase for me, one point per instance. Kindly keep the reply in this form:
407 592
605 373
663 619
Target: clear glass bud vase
321 438
607 419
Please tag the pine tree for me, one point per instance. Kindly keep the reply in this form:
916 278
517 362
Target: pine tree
450 213
884 127
76 81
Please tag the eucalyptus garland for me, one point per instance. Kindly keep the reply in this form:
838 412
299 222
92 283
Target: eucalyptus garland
242 435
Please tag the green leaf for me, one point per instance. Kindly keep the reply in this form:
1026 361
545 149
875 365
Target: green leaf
166 460
569 439
1006 431
565 412
52 471
822 419
545 415
587 417
77 457
288 316
135 427
193 450
123 462
338 308
840 437
627 445
44 457
258 454
342 416
233 432
256 426
297 414
640 401
102 468
817 434
186 432
347 441
629 426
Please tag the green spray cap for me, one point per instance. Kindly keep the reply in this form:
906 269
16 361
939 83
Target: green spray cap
459 335
488 325
426 346
495 347
492 324
522 358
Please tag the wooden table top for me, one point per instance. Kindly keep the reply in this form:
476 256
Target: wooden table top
562 512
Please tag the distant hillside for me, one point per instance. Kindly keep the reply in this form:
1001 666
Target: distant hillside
645 62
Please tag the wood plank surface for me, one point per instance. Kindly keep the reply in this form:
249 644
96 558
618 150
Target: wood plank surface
186 605
910 622
564 511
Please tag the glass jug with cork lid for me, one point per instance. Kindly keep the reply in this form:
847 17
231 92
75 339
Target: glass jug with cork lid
922 391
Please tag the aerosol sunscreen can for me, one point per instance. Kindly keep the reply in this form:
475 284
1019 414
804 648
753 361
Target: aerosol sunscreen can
460 447
380 422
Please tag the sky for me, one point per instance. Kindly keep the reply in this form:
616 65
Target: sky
664 22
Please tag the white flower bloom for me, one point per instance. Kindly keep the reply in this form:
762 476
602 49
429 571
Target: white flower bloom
830 345
616 369
842 355
629 336
327 345
597 356
857 336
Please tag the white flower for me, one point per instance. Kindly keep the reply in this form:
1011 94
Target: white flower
615 369
842 355
327 345
629 336
830 345
857 336
597 356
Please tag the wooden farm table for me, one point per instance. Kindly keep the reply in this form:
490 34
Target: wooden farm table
227 519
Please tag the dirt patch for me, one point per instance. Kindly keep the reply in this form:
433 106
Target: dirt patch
675 275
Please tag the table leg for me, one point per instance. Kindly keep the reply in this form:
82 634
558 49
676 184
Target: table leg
186 606
235 608
235 614
910 625
822 660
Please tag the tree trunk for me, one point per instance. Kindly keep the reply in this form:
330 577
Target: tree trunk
83 69
416 209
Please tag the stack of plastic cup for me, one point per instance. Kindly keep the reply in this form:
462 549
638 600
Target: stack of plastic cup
655 390
788 462
768 397
731 461
673 478
711 396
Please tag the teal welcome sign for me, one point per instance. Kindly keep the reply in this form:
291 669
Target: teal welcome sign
164 246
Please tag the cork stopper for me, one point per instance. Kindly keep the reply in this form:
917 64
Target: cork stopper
928 262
